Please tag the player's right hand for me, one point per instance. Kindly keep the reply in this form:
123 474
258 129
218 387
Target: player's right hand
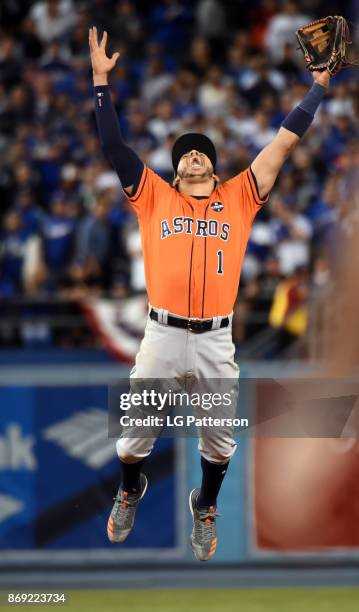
101 64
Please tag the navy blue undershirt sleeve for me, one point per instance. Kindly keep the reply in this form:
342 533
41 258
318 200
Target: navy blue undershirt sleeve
300 118
123 159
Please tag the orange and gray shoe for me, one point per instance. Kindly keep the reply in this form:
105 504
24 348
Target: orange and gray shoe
203 537
123 513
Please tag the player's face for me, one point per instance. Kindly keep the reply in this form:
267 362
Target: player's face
195 165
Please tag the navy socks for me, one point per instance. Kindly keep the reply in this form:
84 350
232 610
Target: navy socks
212 478
131 476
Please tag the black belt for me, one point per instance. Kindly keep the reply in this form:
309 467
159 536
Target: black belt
196 326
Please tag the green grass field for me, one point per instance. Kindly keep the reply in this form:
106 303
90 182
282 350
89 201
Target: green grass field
211 600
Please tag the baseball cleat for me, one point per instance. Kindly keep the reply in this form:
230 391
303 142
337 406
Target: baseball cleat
123 513
203 536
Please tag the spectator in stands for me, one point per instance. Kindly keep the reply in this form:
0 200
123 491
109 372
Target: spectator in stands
292 233
169 23
32 46
237 65
199 58
184 93
155 83
289 65
287 190
137 270
262 133
69 183
211 21
341 102
138 133
43 97
213 96
57 233
10 64
161 158
17 110
53 18
341 133
260 15
127 26
305 179
94 242
289 311
282 27
261 81
164 121
261 241
24 177
11 255
31 215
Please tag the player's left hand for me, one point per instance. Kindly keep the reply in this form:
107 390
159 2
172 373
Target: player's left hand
321 77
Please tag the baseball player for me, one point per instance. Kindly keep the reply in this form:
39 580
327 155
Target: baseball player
194 236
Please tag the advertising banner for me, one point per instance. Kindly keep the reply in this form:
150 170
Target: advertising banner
59 473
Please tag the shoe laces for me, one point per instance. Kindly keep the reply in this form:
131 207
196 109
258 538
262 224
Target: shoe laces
206 525
125 502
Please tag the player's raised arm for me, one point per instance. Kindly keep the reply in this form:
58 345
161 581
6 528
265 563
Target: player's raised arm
124 160
268 162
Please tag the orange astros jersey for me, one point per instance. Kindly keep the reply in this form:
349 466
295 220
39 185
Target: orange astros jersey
193 248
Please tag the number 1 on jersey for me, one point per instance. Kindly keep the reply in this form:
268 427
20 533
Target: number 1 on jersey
220 261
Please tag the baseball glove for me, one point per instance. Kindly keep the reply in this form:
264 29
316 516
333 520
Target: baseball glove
325 44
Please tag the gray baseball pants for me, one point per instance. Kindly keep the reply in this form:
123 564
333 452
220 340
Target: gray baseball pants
173 353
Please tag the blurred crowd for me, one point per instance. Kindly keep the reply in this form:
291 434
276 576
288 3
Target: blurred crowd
228 69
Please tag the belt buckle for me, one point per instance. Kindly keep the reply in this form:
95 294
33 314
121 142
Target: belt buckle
194 326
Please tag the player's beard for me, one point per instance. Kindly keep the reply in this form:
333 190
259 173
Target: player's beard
202 176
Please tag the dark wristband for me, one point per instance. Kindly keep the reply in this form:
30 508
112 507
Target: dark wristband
300 118
313 98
